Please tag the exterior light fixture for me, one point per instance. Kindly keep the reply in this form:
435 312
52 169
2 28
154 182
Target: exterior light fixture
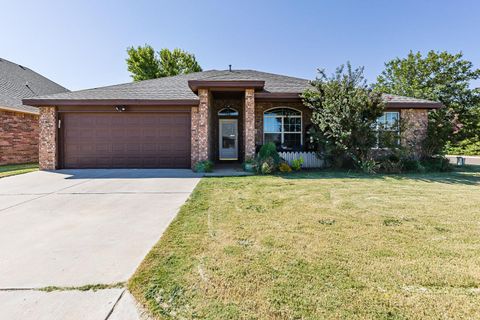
120 108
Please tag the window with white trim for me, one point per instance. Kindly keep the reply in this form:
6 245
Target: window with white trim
283 126
388 129
228 111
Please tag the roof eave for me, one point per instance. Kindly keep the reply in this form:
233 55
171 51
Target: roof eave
413 105
10 109
109 102
225 84
277 96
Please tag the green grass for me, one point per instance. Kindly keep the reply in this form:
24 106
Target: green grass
320 245
14 169
88 287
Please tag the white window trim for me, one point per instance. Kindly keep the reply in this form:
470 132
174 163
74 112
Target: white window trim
377 130
282 133
228 115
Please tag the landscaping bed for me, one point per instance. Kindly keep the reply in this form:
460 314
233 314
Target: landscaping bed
314 245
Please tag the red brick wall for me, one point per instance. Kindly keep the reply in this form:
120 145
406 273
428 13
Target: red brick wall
18 137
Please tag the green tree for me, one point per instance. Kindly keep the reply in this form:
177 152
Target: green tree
177 62
144 63
438 76
345 111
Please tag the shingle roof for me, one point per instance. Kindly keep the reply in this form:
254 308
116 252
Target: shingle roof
18 82
394 98
176 87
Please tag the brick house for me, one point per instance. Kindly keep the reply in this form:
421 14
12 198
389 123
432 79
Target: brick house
176 121
19 122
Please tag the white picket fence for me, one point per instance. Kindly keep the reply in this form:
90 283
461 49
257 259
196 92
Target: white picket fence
310 159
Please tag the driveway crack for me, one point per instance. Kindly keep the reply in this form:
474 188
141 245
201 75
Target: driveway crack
115 304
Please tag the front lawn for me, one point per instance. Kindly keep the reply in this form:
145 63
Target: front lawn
320 245
14 169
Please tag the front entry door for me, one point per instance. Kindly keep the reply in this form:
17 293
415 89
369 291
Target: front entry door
228 139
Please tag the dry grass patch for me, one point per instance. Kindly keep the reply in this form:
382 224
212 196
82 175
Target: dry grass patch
320 245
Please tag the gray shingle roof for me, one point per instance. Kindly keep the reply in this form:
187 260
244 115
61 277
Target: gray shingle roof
18 82
176 87
401 99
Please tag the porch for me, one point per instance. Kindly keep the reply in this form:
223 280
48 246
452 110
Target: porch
230 124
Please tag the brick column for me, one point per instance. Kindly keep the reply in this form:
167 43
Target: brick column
249 124
415 122
194 137
200 141
47 146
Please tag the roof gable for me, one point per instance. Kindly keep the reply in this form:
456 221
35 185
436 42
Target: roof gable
18 82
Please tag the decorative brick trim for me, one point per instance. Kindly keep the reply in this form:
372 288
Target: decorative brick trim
249 124
48 138
194 136
200 134
18 137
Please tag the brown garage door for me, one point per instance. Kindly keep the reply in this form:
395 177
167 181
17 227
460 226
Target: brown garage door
126 140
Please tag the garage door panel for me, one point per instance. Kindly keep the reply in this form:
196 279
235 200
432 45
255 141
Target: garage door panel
126 140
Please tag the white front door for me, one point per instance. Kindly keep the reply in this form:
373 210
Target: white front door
228 139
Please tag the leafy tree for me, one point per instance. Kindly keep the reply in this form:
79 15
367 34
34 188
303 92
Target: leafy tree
177 62
345 111
438 76
144 63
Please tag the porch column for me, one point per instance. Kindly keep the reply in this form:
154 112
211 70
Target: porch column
200 143
249 124
47 144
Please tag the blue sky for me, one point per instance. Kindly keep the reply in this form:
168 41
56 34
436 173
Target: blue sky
82 44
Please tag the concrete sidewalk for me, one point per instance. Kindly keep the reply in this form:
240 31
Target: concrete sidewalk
73 228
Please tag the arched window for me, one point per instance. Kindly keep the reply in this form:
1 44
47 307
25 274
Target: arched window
228 112
283 126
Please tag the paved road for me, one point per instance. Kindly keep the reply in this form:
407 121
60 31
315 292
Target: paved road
81 227
475 160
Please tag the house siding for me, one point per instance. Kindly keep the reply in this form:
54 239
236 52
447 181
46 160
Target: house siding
18 137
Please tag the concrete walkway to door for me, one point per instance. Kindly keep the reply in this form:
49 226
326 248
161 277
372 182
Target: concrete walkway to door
73 228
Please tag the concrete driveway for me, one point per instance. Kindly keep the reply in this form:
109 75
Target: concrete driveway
73 228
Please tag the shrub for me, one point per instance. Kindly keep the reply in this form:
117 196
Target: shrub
204 166
391 166
267 159
436 164
269 150
284 167
345 113
297 164
412 165
268 166
368 166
